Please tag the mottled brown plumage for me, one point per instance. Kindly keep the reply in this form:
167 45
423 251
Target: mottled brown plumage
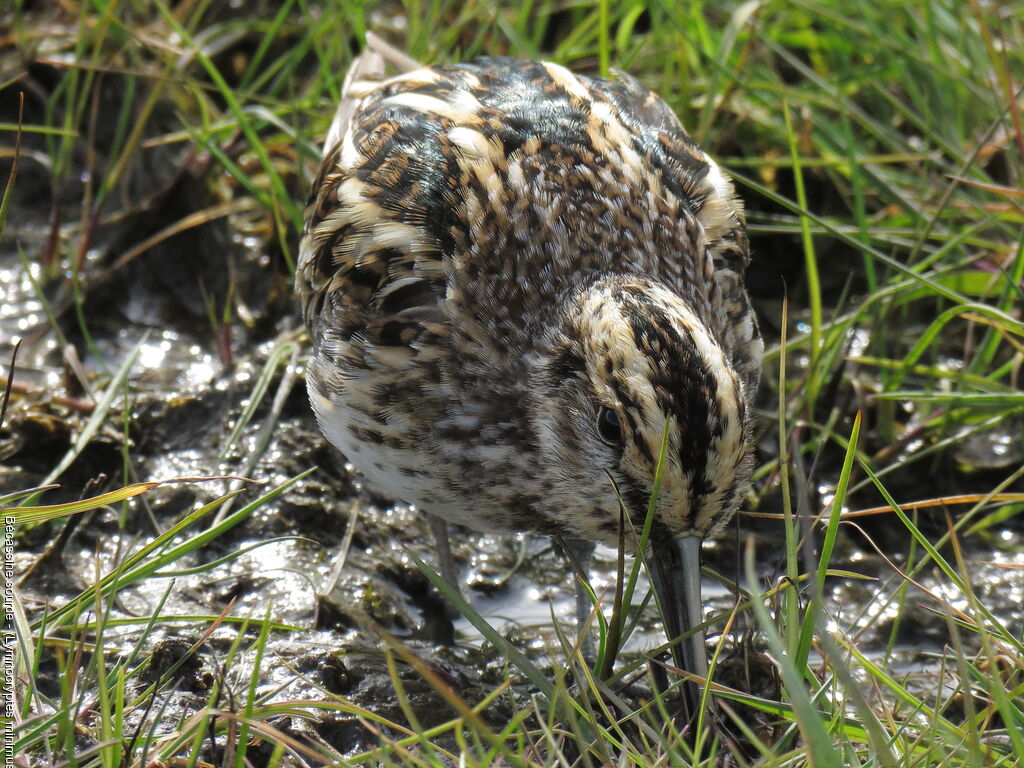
516 279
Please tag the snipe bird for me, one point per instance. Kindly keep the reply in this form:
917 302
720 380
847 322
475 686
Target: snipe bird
518 281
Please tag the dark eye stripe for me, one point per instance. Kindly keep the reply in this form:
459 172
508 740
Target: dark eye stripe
567 365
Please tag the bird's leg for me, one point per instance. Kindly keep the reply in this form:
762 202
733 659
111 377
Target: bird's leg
445 561
581 552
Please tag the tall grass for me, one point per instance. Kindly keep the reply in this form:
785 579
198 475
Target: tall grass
879 148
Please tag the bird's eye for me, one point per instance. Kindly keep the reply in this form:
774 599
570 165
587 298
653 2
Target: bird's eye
608 426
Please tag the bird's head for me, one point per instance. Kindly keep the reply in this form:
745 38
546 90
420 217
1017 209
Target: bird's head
633 369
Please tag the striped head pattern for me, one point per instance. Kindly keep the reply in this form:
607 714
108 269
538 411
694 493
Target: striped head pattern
634 369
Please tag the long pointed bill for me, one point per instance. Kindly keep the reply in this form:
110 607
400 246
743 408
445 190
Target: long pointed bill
675 571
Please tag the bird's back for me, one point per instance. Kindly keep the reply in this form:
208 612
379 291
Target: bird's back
495 186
